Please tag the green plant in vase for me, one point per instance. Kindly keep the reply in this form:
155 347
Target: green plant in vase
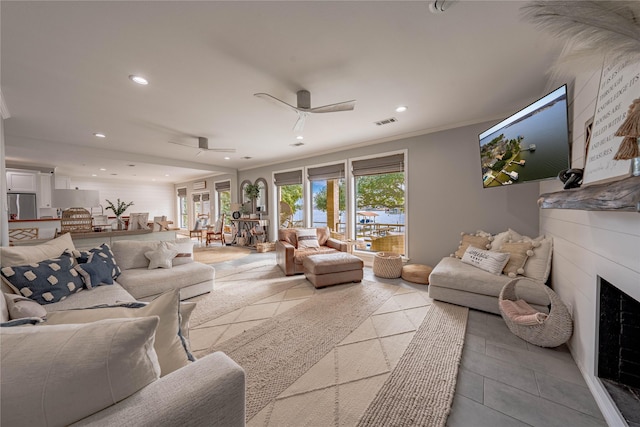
118 209
252 191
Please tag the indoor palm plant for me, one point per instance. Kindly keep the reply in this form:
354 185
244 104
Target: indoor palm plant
118 209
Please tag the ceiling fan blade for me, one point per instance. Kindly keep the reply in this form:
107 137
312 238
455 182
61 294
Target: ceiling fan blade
221 150
331 108
275 100
302 117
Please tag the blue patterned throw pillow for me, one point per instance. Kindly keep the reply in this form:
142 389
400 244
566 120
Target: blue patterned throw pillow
95 272
104 253
47 281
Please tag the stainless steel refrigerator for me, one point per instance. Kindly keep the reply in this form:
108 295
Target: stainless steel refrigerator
22 206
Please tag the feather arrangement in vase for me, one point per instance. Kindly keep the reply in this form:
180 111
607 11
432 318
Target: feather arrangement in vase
593 30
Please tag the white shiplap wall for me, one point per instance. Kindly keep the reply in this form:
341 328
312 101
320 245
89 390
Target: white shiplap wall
587 245
157 199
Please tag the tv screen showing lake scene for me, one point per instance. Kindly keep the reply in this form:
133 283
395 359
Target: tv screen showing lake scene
531 145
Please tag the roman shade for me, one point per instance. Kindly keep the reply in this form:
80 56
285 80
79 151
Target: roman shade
205 197
223 186
288 178
378 165
182 192
325 173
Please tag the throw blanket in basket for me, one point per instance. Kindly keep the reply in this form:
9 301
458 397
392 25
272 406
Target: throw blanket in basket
522 313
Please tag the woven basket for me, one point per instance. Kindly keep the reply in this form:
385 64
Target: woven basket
265 247
387 265
554 331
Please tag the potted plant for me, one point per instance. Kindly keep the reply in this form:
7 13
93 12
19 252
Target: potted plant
118 209
252 191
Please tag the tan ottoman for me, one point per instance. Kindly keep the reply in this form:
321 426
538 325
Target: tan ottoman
416 273
332 269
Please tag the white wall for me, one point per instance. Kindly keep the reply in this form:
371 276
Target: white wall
588 245
157 199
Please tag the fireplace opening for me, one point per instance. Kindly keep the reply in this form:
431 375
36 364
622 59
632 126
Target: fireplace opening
619 350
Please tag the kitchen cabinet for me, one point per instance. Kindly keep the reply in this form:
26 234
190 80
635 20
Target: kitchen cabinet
44 195
21 182
62 182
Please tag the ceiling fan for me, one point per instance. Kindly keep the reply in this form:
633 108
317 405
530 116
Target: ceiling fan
203 145
303 107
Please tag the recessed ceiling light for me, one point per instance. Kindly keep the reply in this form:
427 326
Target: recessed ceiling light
166 174
138 79
227 158
299 137
99 135
93 174
102 169
401 109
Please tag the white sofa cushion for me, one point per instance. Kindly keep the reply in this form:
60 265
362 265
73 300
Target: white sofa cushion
172 353
56 375
130 253
452 273
142 283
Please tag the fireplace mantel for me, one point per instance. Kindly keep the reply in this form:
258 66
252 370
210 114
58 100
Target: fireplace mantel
622 195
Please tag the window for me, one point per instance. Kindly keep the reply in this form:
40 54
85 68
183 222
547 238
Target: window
328 197
379 185
290 198
201 206
183 214
223 192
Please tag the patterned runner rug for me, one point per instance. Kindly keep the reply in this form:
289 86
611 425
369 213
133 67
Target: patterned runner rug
277 352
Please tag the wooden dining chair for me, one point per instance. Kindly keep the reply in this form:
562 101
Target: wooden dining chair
217 232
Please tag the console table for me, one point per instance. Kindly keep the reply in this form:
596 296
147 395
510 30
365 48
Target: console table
247 227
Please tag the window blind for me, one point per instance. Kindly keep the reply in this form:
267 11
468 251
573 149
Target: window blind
378 165
325 173
196 197
288 178
205 197
223 186
182 192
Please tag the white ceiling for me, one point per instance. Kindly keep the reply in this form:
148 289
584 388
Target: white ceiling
65 68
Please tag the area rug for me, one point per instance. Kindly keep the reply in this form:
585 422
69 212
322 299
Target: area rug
277 352
214 254
242 286
420 389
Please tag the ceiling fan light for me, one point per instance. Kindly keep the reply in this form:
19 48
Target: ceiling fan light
138 79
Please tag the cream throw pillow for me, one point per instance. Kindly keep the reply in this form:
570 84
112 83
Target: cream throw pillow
161 257
12 256
20 307
493 262
307 238
480 240
538 265
56 375
518 252
172 354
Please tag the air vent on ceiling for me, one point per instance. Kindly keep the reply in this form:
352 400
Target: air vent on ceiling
386 121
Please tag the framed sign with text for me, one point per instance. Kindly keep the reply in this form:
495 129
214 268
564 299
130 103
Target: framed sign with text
619 86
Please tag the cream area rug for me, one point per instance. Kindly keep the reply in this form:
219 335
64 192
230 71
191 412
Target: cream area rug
373 353
213 254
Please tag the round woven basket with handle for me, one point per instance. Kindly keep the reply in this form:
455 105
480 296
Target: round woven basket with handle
555 330
387 265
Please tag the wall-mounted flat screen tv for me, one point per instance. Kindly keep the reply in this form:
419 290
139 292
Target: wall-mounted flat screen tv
530 145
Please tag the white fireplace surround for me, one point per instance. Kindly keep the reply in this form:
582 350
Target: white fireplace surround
588 244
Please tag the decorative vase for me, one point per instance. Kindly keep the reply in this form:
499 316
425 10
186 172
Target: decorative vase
119 223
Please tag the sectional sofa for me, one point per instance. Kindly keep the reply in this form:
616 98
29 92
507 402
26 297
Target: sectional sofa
126 364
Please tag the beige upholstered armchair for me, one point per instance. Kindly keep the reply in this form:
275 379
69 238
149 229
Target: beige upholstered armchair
290 256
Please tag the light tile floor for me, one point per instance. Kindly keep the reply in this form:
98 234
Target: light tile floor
502 380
